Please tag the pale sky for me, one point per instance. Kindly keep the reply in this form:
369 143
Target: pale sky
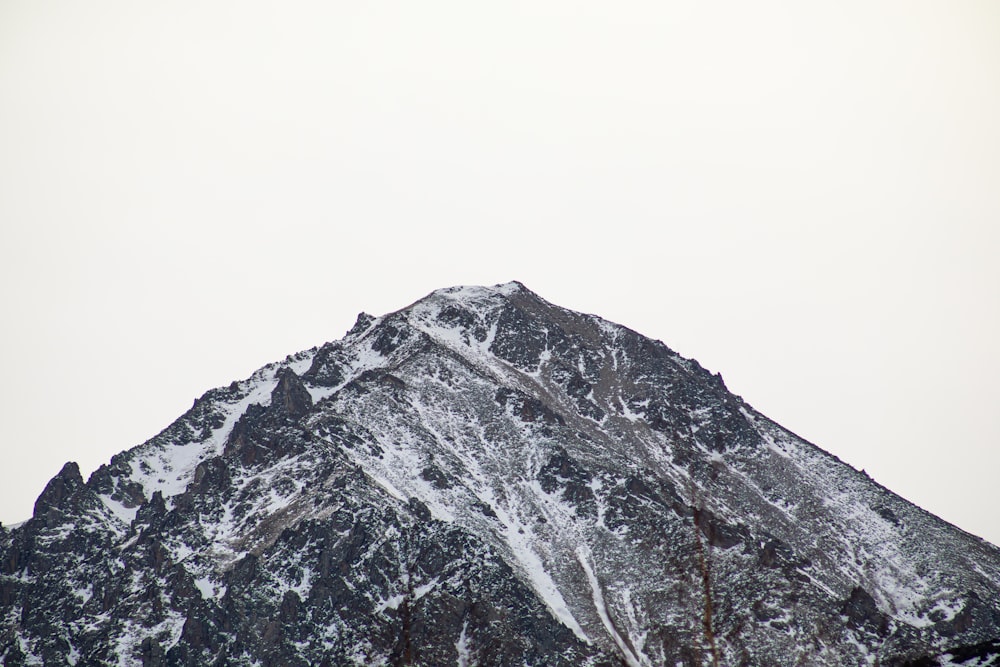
802 196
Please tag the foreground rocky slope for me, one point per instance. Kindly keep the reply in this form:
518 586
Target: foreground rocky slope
484 478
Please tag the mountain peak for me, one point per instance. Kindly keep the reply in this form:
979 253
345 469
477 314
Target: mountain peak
484 477
473 291
477 298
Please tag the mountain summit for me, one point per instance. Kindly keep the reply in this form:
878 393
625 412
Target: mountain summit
485 478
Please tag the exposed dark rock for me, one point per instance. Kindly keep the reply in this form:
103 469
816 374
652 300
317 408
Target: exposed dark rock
389 337
526 408
152 653
57 494
562 474
435 476
361 324
326 369
862 612
290 397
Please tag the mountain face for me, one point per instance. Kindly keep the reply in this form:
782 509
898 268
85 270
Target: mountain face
484 478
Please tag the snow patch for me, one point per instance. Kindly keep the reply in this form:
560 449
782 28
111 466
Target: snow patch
125 514
84 594
424 589
305 585
204 586
320 393
391 603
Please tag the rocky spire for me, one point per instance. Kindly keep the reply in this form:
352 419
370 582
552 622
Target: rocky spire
57 494
290 397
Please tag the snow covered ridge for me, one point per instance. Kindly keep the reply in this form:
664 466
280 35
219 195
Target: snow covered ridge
485 478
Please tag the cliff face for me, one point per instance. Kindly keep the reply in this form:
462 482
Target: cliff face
484 478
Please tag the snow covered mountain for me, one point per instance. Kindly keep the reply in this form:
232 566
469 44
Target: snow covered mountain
484 478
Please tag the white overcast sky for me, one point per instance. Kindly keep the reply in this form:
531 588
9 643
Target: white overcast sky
804 196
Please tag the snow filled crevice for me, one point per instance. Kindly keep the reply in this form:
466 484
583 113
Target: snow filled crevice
462 647
516 537
583 556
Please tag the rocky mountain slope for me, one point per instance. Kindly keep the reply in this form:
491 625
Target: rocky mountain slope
484 478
